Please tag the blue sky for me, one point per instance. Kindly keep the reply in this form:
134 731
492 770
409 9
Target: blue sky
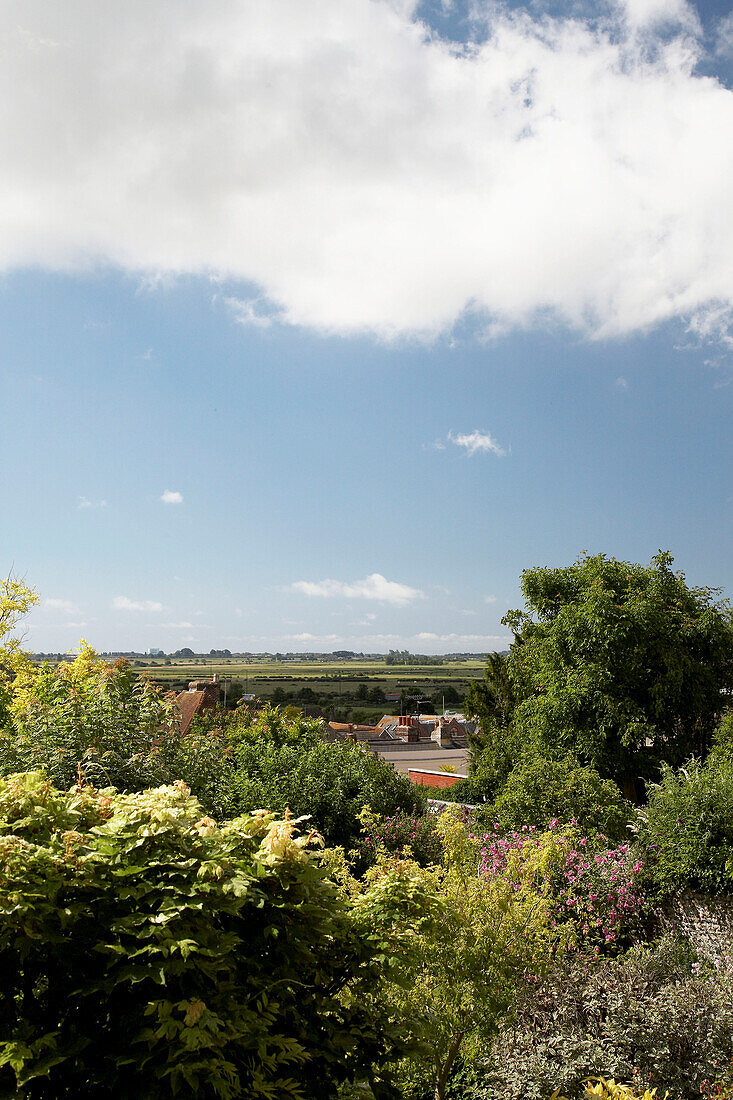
439 318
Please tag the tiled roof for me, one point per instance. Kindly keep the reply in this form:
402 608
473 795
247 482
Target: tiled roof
190 703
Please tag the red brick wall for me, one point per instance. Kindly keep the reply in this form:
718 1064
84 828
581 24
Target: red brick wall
433 779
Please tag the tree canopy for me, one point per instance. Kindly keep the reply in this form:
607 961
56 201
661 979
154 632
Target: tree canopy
623 665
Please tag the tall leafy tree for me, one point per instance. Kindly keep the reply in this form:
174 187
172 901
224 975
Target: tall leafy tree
623 665
492 703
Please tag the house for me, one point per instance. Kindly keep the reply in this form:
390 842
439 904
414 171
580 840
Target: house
202 695
449 730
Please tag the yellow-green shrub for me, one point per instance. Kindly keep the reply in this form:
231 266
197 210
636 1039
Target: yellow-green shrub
147 951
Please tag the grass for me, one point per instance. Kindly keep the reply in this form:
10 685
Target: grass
339 678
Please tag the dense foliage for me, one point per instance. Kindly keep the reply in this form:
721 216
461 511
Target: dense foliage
413 835
330 781
687 828
655 1017
147 951
621 665
494 748
86 718
538 790
99 722
592 885
472 960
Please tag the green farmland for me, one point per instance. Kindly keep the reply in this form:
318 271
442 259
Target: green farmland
348 688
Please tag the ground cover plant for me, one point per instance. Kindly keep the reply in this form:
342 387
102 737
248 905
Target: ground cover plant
655 1017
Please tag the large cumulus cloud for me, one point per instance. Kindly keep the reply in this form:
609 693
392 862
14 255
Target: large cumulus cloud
366 175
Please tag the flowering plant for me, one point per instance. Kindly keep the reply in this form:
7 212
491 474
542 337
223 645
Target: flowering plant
399 832
593 884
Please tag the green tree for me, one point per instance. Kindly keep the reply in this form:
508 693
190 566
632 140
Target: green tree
491 703
100 723
622 665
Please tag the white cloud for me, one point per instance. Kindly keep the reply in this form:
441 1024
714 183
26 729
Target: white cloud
84 502
172 496
373 587
725 37
489 639
643 14
477 442
489 599
251 311
358 174
123 603
55 604
306 637
621 384
173 626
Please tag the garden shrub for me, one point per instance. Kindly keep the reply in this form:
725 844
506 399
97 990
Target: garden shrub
100 721
330 781
462 971
538 790
653 1018
612 1090
403 834
147 952
687 828
594 886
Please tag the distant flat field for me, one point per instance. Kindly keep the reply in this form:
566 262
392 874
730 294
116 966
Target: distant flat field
264 675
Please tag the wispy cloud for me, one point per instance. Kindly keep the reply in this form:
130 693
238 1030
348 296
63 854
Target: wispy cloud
724 44
123 603
477 442
172 496
84 502
621 383
257 312
176 626
373 587
489 599
484 639
56 604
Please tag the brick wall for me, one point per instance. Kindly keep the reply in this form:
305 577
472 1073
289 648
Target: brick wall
707 922
433 779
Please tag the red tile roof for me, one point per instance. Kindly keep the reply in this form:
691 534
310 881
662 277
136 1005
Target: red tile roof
190 703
